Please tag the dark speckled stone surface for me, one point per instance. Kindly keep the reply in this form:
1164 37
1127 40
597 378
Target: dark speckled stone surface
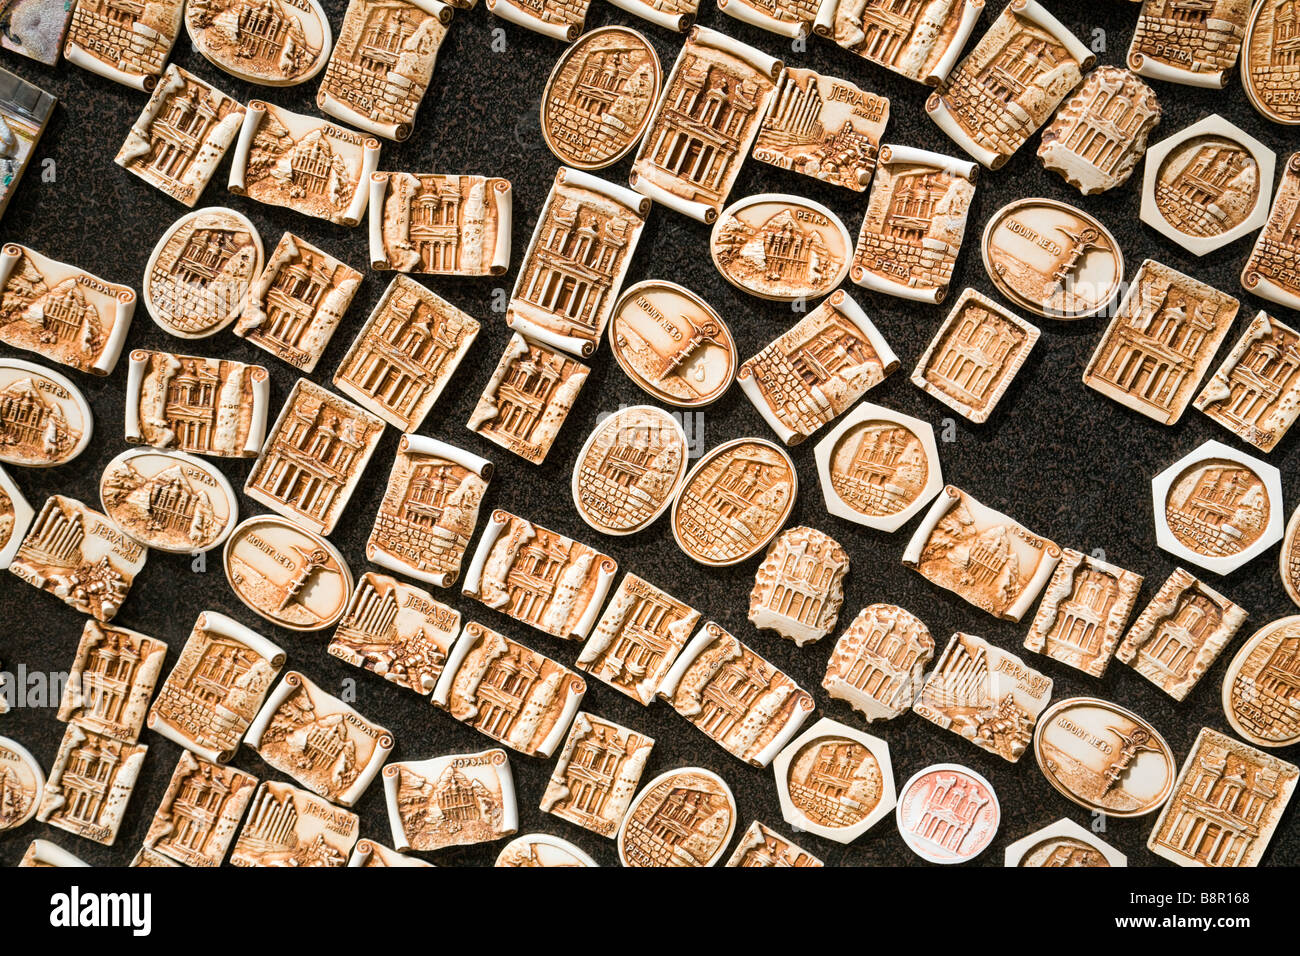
1065 461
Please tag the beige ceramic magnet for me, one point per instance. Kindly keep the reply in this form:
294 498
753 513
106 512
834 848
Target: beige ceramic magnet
44 418
981 555
974 356
947 813
575 262
596 774
1052 259
405 354
200 812
598 100
790 18
1269 61
689 158
822 127
15 517
761 846
397 631
1256 391
542 849
919 41
834 781
990 697
781 247
818 368
878 468
1180 633
271 42
457 800
1217 507
1226 805
168 500
313 457
528 397
287 827
879 662
1160 342
90 783
1289 558
734 501
124 43
1009 83
914 224
326 168
1261 688
1197 45
1271 271
1098 135
216 687
440 225
60 312
799 588
382 63
741 701
1207 185
286 574
509 692
295 304
539 577
24 784
145 857
1063 843
181 137
199 405
200 272
638 638
1104 757
1084 609
429 510
629 469
368 853
318 740
79 556
111 681
684 817
672 344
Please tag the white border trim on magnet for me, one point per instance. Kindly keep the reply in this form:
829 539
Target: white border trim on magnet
749 385
74 395
696 210
23 515
261 405
675 771
440 579
604 580
560 729
1155 70
1038 15
134 380
849 308
944 119
791 201
752 57
425 445
577 178
1162 486
464 642
351 216
798 717
696 646
575 483
1266 288
229 627
333 107
77 56
793 29
875 283
582 348
35 766
965 771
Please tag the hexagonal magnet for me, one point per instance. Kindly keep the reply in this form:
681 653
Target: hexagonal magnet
878 467
835 781
1217 507
1207 185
